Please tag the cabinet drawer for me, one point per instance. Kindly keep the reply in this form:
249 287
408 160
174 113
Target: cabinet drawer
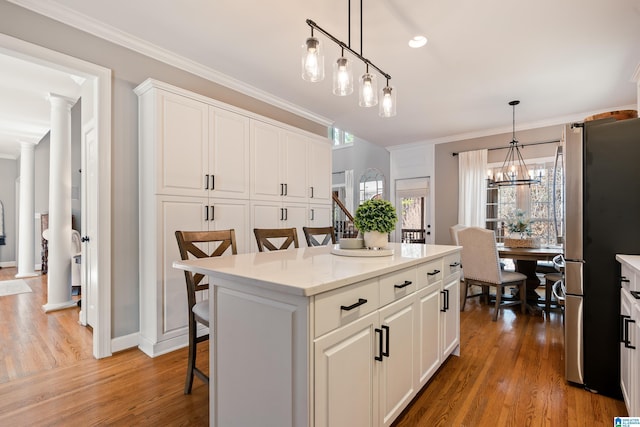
398 284
430 273
342 306
628 280
451 264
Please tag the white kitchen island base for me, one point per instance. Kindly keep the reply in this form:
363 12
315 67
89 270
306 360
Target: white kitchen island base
306 338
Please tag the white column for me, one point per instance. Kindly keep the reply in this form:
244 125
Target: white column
26 261
60 253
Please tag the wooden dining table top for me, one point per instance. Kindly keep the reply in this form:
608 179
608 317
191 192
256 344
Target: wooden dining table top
529 254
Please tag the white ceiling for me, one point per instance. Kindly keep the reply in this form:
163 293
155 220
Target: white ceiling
564 60
25 109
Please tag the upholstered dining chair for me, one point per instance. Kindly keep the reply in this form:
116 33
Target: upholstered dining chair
464 295
200 244
267 238
482 267
327 233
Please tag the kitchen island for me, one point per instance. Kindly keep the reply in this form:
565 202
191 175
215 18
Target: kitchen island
306 337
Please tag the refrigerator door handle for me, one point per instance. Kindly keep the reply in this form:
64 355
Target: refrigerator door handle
573 344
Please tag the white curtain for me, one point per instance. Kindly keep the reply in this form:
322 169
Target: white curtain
472 188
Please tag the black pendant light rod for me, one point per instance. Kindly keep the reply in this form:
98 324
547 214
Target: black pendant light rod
346 46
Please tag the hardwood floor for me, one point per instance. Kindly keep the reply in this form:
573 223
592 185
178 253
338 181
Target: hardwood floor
510 373
48 376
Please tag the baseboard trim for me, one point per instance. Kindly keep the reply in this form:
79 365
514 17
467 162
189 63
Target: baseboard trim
125 342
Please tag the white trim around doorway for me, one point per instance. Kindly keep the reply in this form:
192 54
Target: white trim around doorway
30 52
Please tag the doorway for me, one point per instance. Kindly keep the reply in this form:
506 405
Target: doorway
100 207
411 200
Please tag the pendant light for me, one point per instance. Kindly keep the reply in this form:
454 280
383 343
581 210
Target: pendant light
313 70
514 170
312 60
388 101
368 89
342 77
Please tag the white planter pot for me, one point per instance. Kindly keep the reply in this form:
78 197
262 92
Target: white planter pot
375 240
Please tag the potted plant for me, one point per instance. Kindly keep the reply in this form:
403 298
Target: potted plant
375 218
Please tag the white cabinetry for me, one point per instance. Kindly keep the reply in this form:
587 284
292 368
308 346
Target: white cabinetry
278 163
368 370
630 332
198 149
288 166
195 174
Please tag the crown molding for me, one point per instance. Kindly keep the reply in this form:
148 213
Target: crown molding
67 16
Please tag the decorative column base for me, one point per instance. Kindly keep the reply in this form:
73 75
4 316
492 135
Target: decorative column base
25 275
59 306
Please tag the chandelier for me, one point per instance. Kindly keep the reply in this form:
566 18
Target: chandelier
313 70
514 171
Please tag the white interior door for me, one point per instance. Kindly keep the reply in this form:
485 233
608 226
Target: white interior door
89 207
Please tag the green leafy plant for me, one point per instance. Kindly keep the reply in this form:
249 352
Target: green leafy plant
376 215
520 224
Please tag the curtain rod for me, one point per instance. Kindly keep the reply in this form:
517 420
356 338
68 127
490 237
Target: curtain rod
555 141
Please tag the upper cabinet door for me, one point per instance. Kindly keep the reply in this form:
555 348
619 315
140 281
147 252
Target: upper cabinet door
294 171
229 151
182 145
319 168
266 182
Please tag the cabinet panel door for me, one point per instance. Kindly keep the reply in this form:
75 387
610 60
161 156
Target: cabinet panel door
319 172
346 375
626 381
175 213
266 180
320 216
182 148
397 374
451 318
227 214
295 166
296 216
229 164
429 333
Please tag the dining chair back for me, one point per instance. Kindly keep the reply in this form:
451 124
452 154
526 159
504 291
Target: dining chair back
200 244
275 239
482 267
327 234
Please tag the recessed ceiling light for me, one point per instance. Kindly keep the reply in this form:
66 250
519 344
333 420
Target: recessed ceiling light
418 41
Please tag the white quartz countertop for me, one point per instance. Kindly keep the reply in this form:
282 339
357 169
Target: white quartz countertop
310 271
632 260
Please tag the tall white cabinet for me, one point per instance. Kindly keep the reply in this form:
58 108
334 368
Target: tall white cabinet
199 162
630 332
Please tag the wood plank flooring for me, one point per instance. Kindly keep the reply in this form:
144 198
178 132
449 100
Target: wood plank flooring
510 373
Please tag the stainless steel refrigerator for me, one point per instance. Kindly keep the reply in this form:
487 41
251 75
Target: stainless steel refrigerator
602 219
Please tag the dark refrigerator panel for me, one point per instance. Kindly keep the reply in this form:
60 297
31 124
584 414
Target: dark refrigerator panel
611 226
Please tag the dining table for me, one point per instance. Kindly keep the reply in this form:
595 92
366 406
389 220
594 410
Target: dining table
526 262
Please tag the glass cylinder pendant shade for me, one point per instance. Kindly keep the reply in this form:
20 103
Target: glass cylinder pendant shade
342 77
312 60
368 90
388 102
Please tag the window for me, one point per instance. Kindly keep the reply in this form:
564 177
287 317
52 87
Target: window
542 203
341 138
371 185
